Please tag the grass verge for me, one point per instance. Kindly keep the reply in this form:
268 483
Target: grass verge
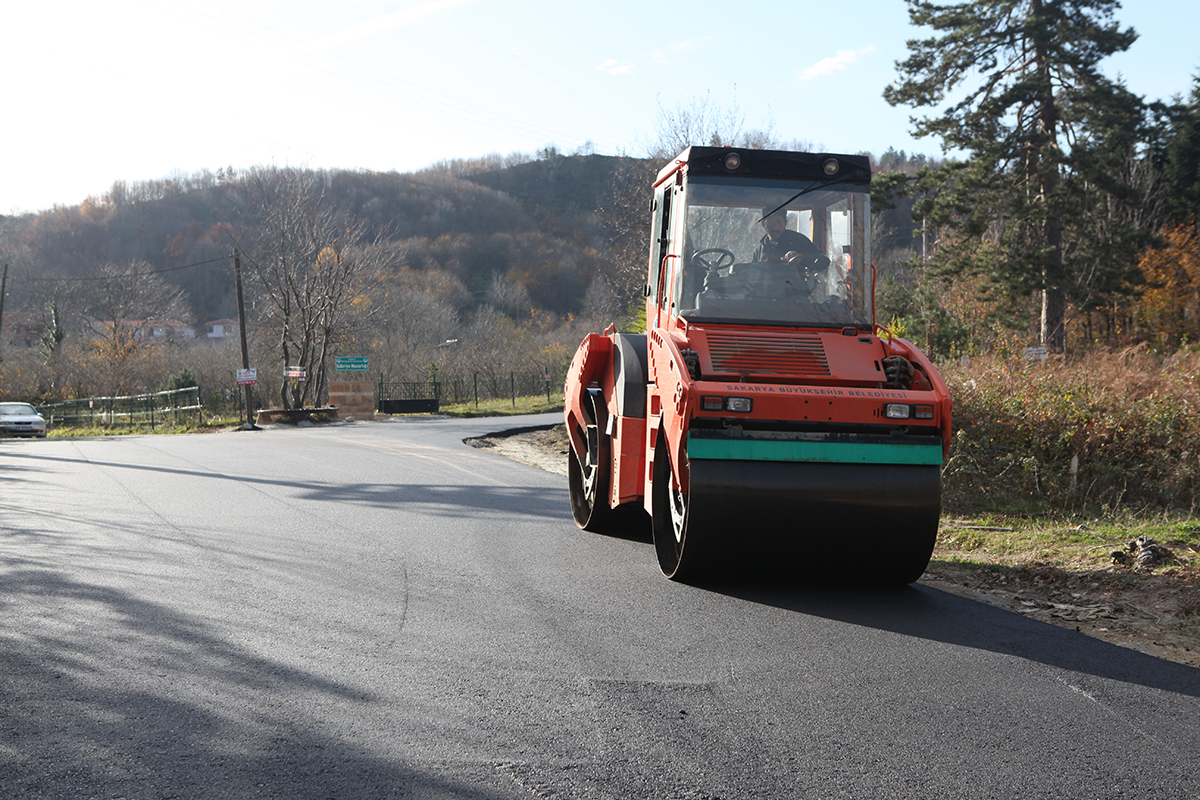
504 408
1144 570
208 425
1077 546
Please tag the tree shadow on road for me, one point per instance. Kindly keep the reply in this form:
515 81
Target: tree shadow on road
108 695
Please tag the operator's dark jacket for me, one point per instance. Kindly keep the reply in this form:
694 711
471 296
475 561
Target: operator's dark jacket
788 240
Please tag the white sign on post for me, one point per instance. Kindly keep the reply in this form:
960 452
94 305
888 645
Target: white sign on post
247 377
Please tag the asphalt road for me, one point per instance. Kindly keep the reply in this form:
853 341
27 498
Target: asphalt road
376 610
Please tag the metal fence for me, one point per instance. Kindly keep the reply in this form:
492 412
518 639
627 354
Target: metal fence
502 386
455 390
406 397
175 407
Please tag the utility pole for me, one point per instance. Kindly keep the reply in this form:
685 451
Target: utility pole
237 279
3 291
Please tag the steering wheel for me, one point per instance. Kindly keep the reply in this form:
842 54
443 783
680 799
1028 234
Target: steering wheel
702 258
810 263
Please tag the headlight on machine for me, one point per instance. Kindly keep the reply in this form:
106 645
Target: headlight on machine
741 405
904 411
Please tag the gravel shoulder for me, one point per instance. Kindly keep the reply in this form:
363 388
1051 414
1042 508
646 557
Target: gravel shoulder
1156 613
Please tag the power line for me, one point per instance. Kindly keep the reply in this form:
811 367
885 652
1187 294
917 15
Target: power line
133 274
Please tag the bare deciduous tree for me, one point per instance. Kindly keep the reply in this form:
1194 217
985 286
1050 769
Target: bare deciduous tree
309 260
702 123
122 304
511 298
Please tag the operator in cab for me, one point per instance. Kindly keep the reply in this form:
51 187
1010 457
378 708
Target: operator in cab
779 244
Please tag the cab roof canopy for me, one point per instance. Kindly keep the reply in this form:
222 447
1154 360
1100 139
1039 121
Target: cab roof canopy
831 167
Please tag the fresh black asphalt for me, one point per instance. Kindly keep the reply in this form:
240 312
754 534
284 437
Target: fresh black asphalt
375 610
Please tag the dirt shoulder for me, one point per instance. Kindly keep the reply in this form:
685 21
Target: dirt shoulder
1151 613
1156 612
545 448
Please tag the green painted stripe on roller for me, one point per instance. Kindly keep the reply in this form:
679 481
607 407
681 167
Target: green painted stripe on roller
829 452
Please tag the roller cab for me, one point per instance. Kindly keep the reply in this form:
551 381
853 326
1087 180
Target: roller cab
763 415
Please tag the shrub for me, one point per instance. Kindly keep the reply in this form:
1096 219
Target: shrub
184 379
1116 430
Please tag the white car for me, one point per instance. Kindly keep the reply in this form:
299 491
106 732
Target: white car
21 419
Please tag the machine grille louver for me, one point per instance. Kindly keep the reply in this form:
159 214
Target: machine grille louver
748 354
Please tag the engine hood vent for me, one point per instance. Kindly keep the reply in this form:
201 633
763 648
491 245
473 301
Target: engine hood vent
758 354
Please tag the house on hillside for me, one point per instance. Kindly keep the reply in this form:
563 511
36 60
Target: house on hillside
220 330
145 330
170 329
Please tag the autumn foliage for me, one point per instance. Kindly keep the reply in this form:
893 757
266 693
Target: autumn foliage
1170 302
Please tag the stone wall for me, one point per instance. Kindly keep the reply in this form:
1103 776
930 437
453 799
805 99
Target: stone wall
353 398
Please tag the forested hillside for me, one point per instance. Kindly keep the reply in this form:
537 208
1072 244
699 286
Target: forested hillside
499 260
474 229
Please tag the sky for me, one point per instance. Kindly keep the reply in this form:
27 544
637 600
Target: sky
126 90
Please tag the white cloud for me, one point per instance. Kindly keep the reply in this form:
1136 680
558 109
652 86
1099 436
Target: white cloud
614 67
665 55
843 60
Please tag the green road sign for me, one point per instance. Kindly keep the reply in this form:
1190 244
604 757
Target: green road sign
347 363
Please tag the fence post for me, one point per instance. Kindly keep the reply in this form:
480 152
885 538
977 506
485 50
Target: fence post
512 387
476 375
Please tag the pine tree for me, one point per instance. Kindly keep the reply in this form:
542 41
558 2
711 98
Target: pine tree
1038 123
1182 168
